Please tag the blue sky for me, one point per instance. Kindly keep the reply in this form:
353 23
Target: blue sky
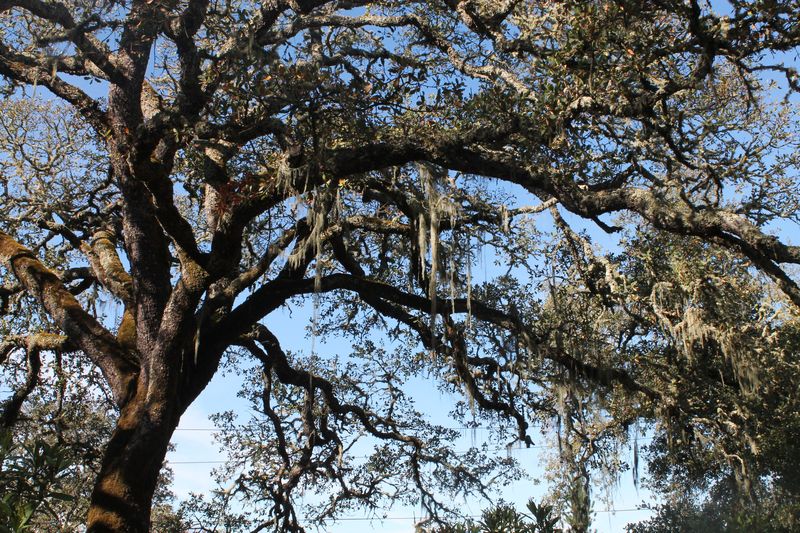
193 446
195 451
192 460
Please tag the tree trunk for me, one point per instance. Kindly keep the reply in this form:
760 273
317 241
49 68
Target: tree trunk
123 493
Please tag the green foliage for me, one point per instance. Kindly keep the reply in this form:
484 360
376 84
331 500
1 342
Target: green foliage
32 476
52 453
504 518
721 511
728 346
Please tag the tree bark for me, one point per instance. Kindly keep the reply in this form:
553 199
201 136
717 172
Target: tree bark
122 497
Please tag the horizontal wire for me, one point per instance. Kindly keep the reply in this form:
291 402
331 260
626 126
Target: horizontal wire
387 518
196 462
496 449
218 430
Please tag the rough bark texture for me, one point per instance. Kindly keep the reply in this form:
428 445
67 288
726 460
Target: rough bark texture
122 497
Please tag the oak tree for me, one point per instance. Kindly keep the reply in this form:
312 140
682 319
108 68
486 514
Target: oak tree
173 172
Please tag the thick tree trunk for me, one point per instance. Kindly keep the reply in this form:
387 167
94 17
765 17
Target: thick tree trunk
123 493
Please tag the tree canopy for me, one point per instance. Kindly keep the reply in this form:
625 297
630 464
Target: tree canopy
174 172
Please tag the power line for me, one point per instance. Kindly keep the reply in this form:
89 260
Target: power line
388 518
465 452
218 430
195 462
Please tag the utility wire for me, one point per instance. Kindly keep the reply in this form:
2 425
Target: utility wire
218 430
495 449
387 518
195 462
